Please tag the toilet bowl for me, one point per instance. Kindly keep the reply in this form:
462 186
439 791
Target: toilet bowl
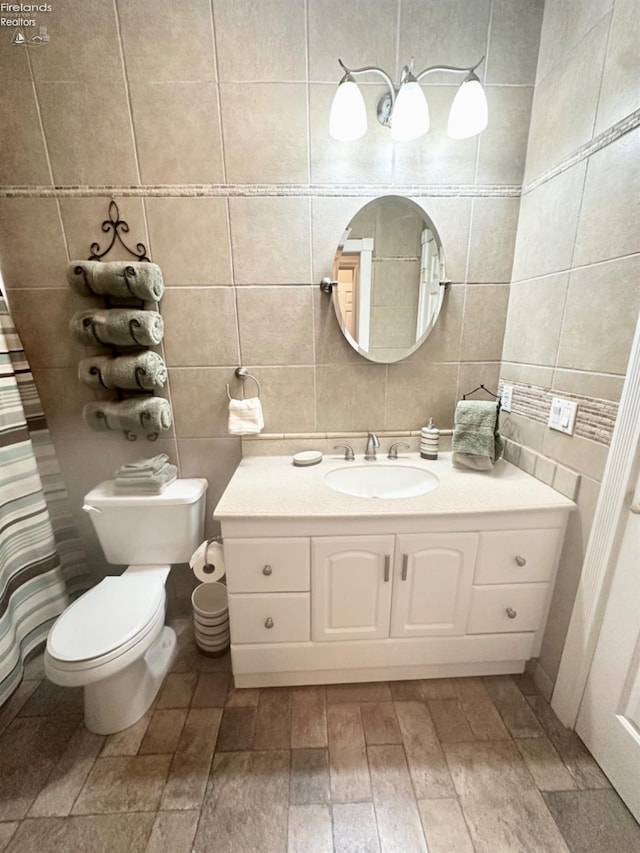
112 641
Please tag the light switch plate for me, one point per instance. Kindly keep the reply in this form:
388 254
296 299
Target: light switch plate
562 415
505 399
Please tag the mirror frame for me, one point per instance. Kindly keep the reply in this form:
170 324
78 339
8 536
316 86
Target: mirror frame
331 285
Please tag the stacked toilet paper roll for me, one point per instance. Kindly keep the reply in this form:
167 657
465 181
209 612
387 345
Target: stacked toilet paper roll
209 600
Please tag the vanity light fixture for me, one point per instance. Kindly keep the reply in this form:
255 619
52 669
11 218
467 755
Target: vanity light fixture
404 109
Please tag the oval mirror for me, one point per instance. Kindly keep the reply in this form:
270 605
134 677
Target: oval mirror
389 269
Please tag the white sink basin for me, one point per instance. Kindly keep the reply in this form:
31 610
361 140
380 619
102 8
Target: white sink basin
381 481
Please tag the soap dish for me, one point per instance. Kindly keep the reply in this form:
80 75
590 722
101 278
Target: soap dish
307 457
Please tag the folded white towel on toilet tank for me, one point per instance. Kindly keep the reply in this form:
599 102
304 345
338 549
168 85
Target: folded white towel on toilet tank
245 416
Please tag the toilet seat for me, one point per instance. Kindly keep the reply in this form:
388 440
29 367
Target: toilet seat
106 621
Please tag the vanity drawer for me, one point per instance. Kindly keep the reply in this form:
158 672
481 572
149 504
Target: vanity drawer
267 565
287 614
517 556
491 605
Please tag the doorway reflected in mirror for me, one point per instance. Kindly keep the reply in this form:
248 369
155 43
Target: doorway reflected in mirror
389 269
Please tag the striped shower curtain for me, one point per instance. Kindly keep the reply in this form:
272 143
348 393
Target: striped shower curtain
42 562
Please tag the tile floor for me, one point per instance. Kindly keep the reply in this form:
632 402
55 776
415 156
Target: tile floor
449 766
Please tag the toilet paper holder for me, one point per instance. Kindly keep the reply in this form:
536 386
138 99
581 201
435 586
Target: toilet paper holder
209 568
201 565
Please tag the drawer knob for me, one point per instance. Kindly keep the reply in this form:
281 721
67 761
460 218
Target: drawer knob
268 623
511 613
267 570
520 561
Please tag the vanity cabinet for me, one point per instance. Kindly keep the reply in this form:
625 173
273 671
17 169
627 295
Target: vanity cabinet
459 602
329 589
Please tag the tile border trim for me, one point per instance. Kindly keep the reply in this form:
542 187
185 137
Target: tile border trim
607 137
264 190
595 418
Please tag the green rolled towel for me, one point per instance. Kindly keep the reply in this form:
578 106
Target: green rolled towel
138 415
122 279
136 371
476 442
122 327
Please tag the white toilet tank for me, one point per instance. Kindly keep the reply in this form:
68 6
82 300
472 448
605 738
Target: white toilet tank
149 529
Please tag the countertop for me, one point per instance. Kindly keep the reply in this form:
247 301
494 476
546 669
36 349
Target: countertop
271 487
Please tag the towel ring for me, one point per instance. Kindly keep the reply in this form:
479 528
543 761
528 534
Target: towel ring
242 373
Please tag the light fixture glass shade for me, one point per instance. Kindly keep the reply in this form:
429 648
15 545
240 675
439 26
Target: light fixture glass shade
410 116
348 118
469 113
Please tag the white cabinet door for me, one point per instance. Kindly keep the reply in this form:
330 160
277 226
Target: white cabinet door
351 587
433 576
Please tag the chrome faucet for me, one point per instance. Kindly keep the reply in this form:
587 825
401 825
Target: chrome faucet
372 443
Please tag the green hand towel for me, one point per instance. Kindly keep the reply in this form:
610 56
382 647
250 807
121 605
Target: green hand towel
122 279
476 442
118 327
139 415
137 371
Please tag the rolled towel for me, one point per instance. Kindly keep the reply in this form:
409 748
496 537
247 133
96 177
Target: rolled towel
245 416
122 327
139 415
138 371
476 442
122 279
142 467
147 486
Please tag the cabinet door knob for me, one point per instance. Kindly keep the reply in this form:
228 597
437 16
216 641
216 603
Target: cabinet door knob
405 566
387 564
520 561
267 570
511 613
268 623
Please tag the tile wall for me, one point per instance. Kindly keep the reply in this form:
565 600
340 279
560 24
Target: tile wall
208 122
575 297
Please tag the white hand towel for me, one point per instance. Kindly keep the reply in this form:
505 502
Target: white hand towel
245 416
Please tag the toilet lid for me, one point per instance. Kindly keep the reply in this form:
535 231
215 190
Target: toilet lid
105 617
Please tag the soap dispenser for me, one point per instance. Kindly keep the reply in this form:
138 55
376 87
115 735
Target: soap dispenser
429 441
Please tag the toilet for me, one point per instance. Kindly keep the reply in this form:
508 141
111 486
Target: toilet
112 641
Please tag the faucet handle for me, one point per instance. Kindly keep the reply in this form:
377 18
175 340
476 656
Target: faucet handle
349 455
393 450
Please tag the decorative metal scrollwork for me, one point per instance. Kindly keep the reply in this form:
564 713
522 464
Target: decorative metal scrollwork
95 371
117 225
145 417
